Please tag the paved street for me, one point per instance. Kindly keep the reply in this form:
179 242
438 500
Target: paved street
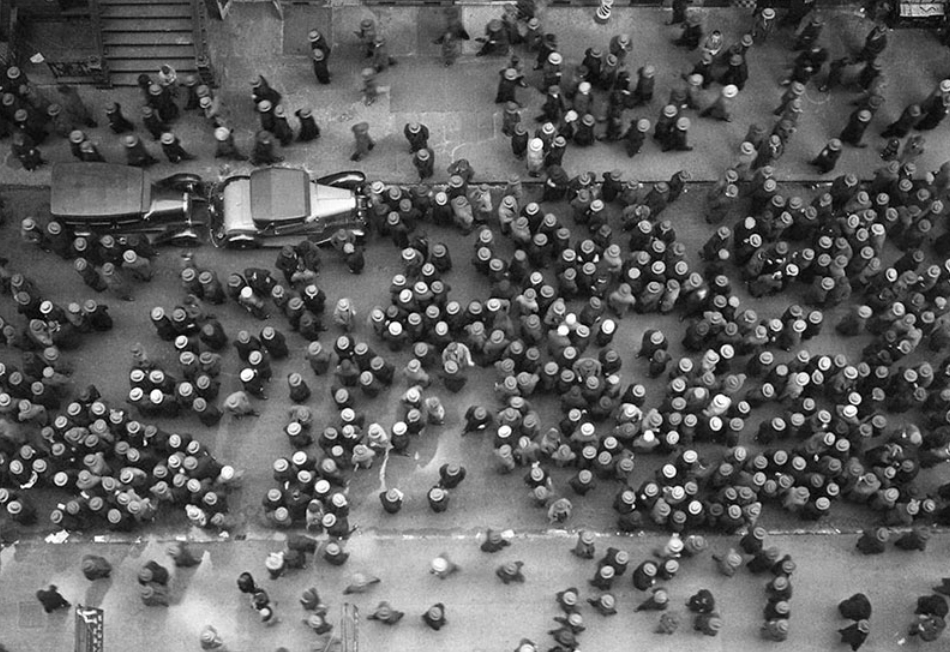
483 614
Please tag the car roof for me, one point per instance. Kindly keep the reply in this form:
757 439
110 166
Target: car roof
280 194
98 189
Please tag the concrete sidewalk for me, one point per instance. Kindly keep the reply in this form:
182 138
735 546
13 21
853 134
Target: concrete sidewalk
456 103
483 614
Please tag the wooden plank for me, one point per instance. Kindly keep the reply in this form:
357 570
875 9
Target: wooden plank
145 12
110 39
161 52
155 25
150 65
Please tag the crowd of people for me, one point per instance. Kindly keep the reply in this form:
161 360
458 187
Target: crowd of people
559 282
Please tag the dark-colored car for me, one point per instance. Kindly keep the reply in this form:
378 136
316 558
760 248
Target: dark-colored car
276 206
104 198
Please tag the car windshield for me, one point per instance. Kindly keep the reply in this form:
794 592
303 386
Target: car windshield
279 194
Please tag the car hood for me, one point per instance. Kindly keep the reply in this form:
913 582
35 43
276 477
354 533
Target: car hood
98 190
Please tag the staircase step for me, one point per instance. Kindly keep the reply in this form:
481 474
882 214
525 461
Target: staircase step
163 52
145 12
149 66
153 25
110 39
124 78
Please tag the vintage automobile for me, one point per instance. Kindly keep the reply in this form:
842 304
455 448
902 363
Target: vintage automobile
104 198
275 206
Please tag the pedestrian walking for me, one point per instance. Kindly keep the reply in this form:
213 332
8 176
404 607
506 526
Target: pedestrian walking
263 152
309 130
364 144
320 69
225 147
828 157
853 133
118 122
135 153
424 162
282 130
370 89
171 147
417 135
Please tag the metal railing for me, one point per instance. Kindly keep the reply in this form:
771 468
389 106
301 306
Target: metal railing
199 20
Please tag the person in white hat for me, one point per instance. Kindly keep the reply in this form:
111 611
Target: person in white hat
678 138
442 567
344 314
534 158
238 404
224 145
211 640
721 109
252 303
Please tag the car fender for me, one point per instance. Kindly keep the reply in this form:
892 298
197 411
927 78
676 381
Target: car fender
183 182
349 179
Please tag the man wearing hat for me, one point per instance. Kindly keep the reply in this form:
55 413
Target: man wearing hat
424 162
677 140
721 109
364 143
775 630
391 500
644 90
553 107
211 640
135 153
174 152
692 31
282 129
385 614
265 112
58 122
636 136
708 623
509 81
853 132
137 266
510 572
225 147
381 57
152 123
828 157
309 130
418 136
903 125
367 35
873 541
495 40
434 617
261 90
442 566
263 152
95 567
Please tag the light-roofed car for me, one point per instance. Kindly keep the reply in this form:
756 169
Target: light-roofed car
275 206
